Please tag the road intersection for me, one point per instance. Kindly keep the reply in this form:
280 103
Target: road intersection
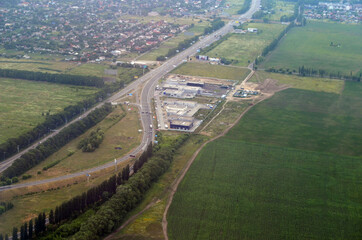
149 81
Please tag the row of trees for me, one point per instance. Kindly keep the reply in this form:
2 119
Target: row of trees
42 151
128 195
275 42
12 145
72 208
53 77
305 71
92 142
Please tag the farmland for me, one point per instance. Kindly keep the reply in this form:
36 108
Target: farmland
290 169
24 104
238 190
308 120
311 46
213 71
241 48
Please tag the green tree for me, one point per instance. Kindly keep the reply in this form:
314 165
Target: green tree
30 234
15 233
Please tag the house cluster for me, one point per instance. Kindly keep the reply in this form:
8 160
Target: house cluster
340 12
84 29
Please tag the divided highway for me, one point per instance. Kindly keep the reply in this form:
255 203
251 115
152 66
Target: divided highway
149 80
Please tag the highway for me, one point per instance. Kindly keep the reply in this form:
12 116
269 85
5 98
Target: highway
150 80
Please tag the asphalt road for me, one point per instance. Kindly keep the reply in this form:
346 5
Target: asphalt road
150 80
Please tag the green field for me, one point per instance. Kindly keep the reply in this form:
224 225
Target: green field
212 71
281 8
290 169
234 6
238 190
310 46
246 47
307 120
120 131
85 69
22 103
305 83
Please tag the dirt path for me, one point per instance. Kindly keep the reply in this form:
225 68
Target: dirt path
131 219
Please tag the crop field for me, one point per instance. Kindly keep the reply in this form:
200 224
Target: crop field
120 136
212 71
311 46
23 103
238 190
242 48
308 120
305 83
290 169
163 49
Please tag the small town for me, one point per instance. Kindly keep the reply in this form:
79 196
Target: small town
339 12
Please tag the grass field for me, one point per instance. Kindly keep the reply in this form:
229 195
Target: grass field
238 190
119 132
227 117
305 83
213 71
308 120
22 103
87 69
281 8
234 6
163 49
310 46
246 47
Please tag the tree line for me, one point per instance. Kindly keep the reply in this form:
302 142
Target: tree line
71 208
77 80
12 145
51 145
78 205
128 195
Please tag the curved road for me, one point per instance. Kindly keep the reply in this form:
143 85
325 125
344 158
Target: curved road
150 80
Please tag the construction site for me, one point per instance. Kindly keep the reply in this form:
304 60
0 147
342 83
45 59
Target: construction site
175 103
